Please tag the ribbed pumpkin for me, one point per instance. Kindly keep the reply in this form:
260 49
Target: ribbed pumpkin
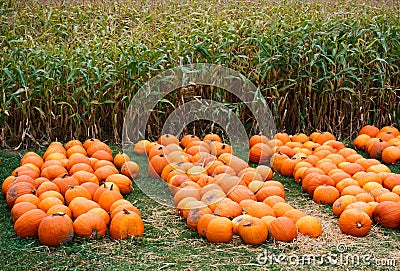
21 208
354 222
56 229
253 231
341 203
260 153
76 191
26 226
16 190
326 194
202 223
219 230
258 209
124 183
126 224
283 229
130 169
108 197
194 216
309 225
387 214
90 225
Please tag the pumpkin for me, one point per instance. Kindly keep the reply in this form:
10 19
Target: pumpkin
258 209
102 213
316 181
253 231
140 147
187 139
281 208
156 165
53 171
219 230
385 136
186 192
341 203
76 191
81 205
257 139
126 224
46 186
16 190
228 208
194 216
267 191
387 214
108 197
120 158
287 167
240 193
90 187
202 223
124 183
130 169
167 139
260 153
309 225
63 183
377 148
354 222
352 190
283 229
76 149
391 155
73 142
237 220
103 172
213 197
28 198
363 206
391 181
82 167
294 214
26 226
212 137
265 171
90 225
56 229
388 196
51 193
370 130
121 207
99 146
47 203
21 208
272 200
59 208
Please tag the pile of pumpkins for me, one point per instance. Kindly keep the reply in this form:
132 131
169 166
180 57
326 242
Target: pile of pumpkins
382 144
73 189
220 195
361 190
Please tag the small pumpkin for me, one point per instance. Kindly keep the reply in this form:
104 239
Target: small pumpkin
108 197
21 208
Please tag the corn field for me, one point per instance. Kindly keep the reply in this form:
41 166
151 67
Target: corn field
69 69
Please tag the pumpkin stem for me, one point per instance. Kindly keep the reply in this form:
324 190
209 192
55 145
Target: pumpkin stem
71 186
359 226
58 214
65 175
247 224
111 187
126 211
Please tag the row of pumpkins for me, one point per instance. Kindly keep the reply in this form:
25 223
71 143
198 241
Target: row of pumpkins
383 144
361 190
219 195
73 189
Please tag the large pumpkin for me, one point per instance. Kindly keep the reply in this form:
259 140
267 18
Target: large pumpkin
55 229
126 224
355 222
